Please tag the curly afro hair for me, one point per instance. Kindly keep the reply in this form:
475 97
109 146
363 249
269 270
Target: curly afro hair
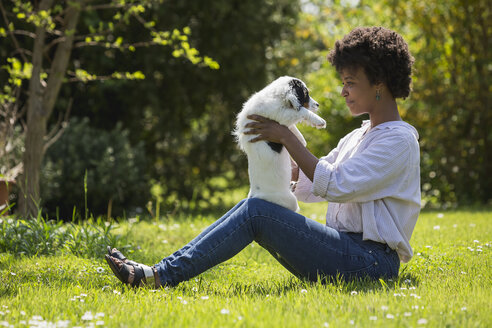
382 53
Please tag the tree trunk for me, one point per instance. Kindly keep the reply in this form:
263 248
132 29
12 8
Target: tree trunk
40 106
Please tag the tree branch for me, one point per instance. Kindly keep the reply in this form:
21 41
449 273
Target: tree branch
12 36
60 61
59 128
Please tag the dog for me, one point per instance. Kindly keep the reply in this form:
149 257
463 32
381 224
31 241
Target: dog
287 101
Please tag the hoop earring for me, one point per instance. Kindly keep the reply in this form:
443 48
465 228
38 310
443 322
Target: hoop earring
378 95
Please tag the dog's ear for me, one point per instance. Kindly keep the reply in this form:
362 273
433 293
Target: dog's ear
292 100
297 94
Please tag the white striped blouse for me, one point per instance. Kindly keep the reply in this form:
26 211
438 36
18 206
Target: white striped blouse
372 182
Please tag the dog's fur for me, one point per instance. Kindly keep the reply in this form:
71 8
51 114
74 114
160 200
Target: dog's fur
269 165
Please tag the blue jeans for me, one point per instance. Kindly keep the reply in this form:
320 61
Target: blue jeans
308 249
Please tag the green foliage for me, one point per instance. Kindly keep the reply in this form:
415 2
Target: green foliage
451 99
451 83
115 169
44 237
182 112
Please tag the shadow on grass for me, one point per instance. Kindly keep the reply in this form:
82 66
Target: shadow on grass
264 288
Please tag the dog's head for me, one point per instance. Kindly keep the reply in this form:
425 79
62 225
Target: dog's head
298 95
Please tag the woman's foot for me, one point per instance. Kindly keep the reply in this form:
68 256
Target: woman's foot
117 254
134 275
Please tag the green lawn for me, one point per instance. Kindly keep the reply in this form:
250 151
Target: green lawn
446 284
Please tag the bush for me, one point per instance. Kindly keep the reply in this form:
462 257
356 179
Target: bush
40 236
100 167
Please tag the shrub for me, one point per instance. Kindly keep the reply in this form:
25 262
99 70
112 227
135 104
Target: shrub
40 236
100 167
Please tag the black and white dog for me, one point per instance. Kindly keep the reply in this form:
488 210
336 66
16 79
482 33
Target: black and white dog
287 101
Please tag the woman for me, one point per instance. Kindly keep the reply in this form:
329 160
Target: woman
371 181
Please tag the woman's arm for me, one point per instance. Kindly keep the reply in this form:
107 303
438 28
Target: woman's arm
269 130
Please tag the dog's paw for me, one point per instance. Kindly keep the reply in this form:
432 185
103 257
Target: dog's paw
319 124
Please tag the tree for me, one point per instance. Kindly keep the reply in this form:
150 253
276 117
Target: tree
52 27
182 113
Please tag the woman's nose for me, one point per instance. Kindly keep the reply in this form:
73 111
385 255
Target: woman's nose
344 92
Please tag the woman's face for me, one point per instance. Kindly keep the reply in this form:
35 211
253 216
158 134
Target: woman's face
359 94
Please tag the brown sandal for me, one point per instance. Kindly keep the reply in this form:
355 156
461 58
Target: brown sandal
117 254
142 274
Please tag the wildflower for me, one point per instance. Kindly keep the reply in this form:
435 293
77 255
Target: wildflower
373 318
353 292
100 315
99 323
303 291
204 297
105 287
22 313
224 311
13 273
390 316
422 321
437 227
87 316
37 318
407 314
440 215
100 269
63 323
351 322
4 323
463 308
384 308
326 324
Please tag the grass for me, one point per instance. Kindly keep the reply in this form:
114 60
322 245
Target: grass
446 284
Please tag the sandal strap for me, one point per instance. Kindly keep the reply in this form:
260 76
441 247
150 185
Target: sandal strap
142 275
117 254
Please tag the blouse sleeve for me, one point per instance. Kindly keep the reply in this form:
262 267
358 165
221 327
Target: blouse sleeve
304 187
375 173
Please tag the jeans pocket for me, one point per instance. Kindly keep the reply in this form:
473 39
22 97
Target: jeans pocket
387 264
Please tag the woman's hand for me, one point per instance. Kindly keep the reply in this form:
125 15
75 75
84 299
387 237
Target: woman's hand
267 129
270 130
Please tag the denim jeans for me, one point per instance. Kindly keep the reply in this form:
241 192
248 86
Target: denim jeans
308 249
